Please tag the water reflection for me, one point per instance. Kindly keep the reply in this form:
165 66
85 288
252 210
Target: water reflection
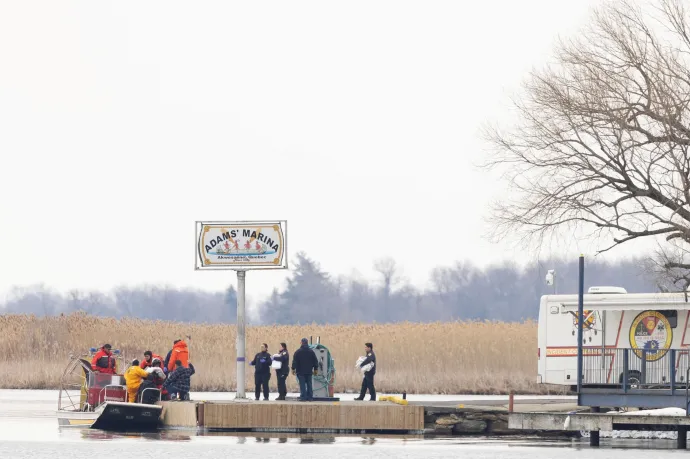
102 435
310 438
240 438
316 439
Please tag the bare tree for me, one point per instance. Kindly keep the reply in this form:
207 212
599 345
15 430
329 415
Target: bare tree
603 140
667 267
390 274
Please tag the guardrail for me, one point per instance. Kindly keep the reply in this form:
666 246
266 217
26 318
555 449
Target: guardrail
636 368
140 399
103 394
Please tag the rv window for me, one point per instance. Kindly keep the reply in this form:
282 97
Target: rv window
672 317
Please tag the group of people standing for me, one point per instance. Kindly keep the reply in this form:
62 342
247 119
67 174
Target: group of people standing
305 365
171 377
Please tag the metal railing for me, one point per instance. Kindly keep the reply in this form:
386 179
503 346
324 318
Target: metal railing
141 395
635 368
103 394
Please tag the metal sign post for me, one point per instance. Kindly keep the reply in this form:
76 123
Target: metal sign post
241 358
580 320
241 246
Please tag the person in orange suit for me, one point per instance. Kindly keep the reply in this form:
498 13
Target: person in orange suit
180 352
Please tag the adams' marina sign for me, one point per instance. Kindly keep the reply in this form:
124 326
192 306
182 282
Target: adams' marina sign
241 245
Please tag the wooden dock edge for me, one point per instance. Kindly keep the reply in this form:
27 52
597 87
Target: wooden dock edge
291 417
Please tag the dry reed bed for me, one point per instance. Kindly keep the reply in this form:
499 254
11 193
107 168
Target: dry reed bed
438 358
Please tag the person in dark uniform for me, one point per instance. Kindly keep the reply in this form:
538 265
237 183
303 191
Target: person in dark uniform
368 381
262 371
284 370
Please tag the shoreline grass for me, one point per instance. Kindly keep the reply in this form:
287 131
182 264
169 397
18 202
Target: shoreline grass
465 357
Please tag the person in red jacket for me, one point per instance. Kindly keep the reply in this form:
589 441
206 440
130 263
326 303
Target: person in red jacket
148 358
103 361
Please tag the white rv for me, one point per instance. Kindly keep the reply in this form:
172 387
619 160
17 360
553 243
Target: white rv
649 326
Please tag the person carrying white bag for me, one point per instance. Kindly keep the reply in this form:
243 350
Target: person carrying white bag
281 364
367 365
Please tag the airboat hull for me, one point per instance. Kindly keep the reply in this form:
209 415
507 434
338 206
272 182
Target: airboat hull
114 416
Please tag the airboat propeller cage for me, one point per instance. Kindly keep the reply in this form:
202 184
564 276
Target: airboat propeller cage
83 389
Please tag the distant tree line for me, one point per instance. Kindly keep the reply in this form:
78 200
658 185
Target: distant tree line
464 291
144 302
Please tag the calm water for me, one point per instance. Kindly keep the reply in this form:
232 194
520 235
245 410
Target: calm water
28 429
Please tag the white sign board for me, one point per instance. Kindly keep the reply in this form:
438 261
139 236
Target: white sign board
241 245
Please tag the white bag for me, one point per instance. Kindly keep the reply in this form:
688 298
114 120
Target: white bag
276 364
366 367
359 362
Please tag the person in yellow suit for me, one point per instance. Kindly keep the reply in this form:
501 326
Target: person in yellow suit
133 377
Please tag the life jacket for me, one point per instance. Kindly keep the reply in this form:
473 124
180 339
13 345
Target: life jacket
179 352
146 363
103 361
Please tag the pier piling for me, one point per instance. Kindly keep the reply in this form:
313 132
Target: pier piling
682 442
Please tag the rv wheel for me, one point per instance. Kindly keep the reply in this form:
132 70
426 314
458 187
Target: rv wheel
634 378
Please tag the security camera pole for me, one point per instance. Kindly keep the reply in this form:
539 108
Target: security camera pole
241 246
551 279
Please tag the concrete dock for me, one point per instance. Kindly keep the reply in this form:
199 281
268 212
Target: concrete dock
595 422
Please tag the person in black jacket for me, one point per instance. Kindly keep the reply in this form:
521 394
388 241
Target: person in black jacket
282 373
368 381
304 363
262 371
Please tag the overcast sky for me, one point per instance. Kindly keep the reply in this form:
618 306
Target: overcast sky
121 123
